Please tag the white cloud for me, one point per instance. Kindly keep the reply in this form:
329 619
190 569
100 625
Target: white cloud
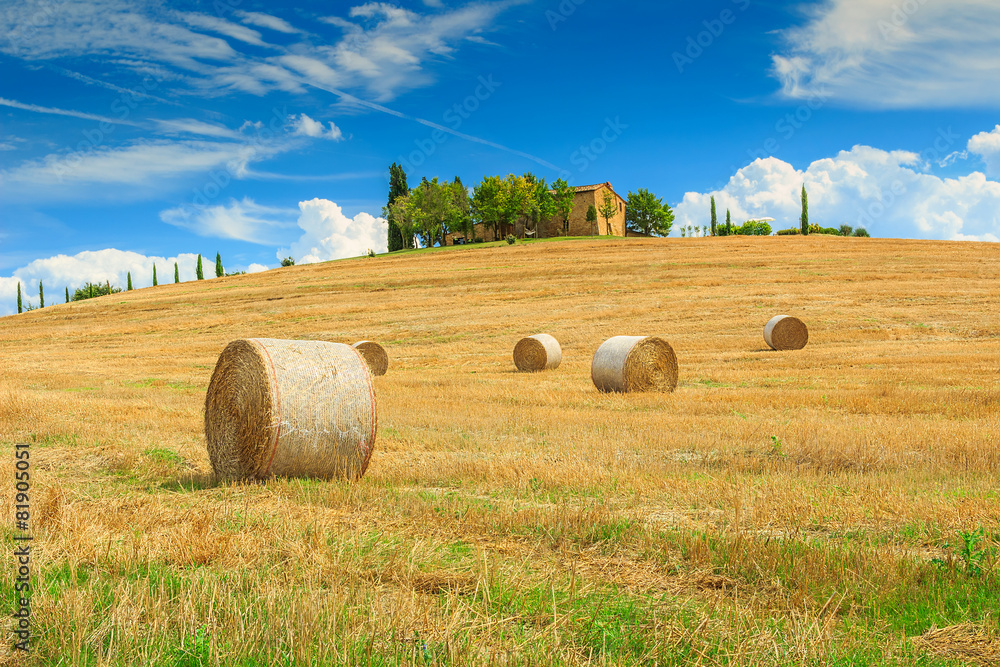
242 220
383 49
135 170
305 125
894 53
888 193
223 27
987 146
257 268
193 126
329 234
64 112
268 21
96 266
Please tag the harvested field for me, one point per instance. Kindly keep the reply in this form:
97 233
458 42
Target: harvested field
776 509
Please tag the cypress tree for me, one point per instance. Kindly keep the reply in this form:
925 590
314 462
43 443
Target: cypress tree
129 281
154 275
397 189
729 223
67 295
218 266
41 295
715 220
805 211
20 308
177 274
199 274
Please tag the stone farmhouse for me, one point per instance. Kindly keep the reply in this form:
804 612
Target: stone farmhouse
577 225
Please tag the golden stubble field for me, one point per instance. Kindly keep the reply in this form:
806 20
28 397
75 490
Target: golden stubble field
835 505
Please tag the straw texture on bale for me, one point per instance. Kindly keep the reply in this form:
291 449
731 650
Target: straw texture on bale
786 333
291 409
634 363
374 355
540 352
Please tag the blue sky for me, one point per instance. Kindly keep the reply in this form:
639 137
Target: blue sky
134 133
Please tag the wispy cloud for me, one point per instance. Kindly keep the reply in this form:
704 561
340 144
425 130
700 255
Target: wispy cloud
240 220
383 49
890 54
268 21
65 112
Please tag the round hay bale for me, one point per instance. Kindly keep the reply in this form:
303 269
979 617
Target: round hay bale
374 355
540 352
786 333
634 363
290 408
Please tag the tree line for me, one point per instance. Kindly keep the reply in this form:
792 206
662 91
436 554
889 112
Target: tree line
91 290
434 209
762 228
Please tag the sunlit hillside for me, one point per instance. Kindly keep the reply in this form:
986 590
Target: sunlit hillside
814 507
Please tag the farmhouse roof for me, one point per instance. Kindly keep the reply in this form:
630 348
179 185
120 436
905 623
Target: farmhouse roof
591 188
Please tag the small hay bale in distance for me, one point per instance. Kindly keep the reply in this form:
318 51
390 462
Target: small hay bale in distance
290 408
634 363
786 333
540 352
374 355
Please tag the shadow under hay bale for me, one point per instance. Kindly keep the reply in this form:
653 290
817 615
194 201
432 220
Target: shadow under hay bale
786 333
290 408
374 355
540 352
634 363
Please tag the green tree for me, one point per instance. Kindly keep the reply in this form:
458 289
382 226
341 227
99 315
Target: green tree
608 210
461 211
91 290
67 295
487 204
218 266
563 196
846 230
648 215
288 261
729 222
129 281
41 295
397 189
804 218
20 306
592 218
154 276
715 221
426 211
177 274
199 273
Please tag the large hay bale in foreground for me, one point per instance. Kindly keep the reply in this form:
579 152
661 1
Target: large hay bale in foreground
290 408
374 355
786 333
540 352
634 363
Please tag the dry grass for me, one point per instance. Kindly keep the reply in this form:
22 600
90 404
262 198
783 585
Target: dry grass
777 508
